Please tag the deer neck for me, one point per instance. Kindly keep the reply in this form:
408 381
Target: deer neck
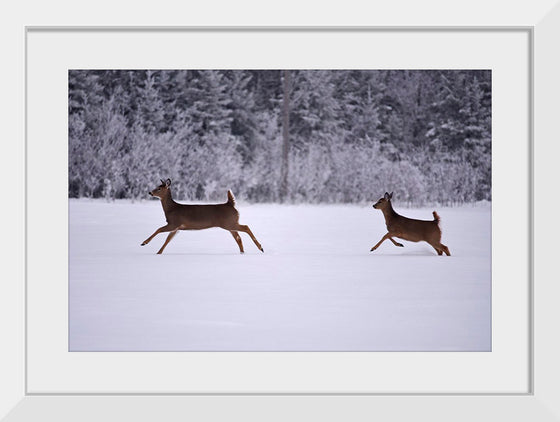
389 213
167 202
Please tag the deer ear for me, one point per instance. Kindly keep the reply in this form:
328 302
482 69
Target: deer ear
387 196
168 182
391 195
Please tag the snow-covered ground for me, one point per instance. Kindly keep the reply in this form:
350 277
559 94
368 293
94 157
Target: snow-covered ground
317 287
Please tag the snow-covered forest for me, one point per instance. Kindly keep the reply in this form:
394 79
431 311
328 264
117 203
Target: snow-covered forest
314 136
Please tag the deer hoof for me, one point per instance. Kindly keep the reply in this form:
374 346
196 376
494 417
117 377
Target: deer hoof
400 245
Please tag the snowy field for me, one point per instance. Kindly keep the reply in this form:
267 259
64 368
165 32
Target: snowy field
317 287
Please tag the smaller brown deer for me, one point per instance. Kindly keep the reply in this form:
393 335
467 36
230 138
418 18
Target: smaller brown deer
198 217
409 228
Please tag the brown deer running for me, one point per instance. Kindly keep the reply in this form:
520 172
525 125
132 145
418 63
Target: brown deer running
409 228
198 217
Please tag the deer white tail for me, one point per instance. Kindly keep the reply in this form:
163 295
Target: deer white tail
436 217
230 198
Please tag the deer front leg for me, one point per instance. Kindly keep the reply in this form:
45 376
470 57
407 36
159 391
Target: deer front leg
165 228
171 236
383 239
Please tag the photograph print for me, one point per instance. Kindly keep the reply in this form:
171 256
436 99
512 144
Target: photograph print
279 210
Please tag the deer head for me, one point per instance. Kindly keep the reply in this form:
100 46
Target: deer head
384 201
162 190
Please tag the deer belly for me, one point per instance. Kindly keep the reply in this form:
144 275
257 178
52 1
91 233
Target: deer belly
196 225
409 237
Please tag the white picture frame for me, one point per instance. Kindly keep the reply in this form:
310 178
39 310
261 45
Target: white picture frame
538 403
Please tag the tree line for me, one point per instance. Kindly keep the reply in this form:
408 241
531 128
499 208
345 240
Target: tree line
317 136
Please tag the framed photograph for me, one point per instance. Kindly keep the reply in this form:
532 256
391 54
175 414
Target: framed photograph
96 337
305 193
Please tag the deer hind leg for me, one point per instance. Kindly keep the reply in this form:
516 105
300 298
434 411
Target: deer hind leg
169 237
237 239
166 228
436 245
246 229
440 248
383 239
400 245
445 249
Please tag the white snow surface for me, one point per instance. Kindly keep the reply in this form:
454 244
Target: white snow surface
317 286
